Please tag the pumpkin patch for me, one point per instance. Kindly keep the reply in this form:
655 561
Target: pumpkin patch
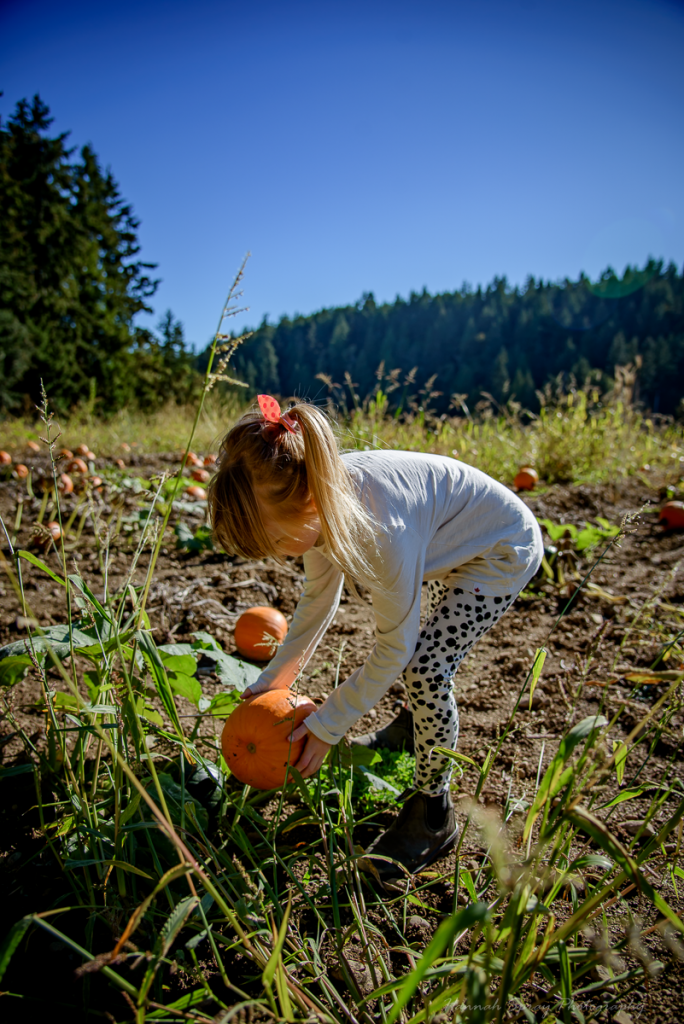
256 737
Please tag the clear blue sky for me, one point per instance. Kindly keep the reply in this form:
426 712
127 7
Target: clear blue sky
375 146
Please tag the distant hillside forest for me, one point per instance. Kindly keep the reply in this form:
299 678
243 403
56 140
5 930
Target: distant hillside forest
72 284
508 342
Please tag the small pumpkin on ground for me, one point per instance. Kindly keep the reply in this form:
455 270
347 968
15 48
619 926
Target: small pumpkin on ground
672 515
20 471
526 479
196 493
256 737
259 632
201 475
5 459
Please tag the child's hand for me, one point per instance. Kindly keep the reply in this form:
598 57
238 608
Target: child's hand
251 691
314 753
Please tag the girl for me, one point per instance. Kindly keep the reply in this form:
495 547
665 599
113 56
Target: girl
389 520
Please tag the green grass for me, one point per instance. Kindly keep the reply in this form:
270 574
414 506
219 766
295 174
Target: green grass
262 901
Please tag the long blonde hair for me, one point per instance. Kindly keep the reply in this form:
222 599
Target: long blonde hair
260 460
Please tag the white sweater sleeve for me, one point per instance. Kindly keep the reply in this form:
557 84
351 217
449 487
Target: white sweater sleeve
396 605
315 611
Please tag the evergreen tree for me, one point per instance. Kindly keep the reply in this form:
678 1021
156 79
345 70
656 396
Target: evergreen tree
71 282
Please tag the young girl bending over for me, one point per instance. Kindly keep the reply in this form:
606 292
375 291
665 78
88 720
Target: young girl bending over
390 520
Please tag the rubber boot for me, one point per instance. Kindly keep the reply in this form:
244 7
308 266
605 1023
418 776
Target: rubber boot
397 735
412 839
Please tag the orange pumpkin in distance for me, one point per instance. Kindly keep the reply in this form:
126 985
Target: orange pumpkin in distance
5 459
672 515
21 471
526 479
256 737
259 632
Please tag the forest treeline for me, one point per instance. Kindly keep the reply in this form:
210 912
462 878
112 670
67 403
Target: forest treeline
508 342
72 284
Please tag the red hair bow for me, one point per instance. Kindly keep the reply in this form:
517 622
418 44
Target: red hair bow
271 412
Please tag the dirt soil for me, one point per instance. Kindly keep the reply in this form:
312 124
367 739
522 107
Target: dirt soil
589 654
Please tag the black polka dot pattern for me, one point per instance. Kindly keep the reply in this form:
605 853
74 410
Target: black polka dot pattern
456 621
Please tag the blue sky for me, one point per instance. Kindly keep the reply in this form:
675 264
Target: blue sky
371 146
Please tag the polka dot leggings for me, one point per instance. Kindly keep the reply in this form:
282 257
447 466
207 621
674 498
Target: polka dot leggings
456 619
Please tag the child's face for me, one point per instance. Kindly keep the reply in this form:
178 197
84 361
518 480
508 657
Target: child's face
295 535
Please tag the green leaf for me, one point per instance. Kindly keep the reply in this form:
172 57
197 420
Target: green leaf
29 557
454 755
185 1002
187 686
275 957
357 755
467 880
184 663
630 794
13 669
176 649
537 666
620 756
233 672
54 637
83 587
161 679
223 704
15 769
11 941
68 701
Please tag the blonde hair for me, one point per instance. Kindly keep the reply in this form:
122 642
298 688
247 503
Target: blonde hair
261 460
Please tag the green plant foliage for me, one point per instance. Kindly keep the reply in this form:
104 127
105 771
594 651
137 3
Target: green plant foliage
71 283
508 343
201 540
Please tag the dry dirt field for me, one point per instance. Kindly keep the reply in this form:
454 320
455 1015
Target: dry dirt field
613 629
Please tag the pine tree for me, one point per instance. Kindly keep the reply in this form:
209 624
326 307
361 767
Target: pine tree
71 282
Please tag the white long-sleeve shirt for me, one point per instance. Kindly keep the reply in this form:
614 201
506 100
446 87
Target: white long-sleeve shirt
438 519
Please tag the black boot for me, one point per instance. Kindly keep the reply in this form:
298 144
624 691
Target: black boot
424 830
398 735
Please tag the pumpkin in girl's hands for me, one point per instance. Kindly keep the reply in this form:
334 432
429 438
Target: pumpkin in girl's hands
526 479
259 632
256 737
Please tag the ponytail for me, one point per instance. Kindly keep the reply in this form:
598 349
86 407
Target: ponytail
265 464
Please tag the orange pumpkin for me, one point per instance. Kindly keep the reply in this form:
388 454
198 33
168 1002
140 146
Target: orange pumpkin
82 449
55 530
96 482
33 446
120 463
209 460
256 737
76 466
196 493
201 475
191 459
672 515
5 459
66 454
527 479
21 471
259 631
65 484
